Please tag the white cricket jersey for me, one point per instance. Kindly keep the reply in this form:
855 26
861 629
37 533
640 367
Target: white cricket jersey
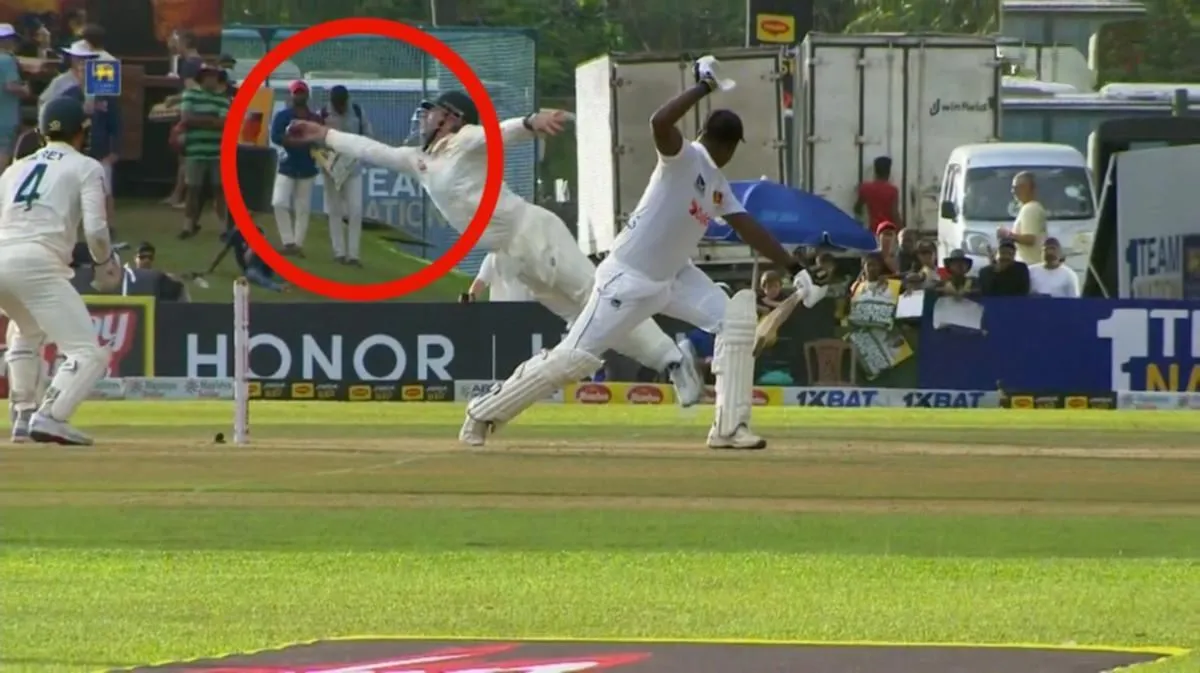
453 172
45 196
502 281
685 192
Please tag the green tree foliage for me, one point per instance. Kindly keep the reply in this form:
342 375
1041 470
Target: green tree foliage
1164 47
946 16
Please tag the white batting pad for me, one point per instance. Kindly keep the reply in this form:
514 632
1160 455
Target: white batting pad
73 382
733 363
533 380
25 367
649 345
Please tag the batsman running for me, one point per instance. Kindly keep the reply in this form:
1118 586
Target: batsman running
452 168
650 271
43 199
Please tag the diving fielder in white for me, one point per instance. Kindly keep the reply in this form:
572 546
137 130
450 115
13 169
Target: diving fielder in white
452 168
650 271
43 199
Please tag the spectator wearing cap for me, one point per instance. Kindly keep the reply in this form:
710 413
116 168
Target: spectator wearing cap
142 279
12 90
292 195
202 115
344 205
70 81
878 199
957 283
889 247
1005 276
1052 278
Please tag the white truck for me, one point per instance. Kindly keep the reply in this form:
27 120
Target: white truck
913 98
616 94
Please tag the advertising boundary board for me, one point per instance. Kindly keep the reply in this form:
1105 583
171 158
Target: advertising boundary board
1063 346
438 342
127 326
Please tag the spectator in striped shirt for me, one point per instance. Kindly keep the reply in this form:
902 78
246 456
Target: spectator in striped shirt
202 112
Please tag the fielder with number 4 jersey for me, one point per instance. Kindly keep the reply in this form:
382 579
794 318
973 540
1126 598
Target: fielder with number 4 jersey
43 200
452 168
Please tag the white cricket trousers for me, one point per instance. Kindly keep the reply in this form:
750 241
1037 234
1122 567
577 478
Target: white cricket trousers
624 297
345 210
36 294
292 200
560 277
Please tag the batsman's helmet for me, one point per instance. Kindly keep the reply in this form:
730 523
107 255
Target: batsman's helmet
62 119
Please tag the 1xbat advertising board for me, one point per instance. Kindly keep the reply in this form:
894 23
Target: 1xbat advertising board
1075 347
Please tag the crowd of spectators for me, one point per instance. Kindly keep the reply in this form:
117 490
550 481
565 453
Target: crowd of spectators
1025 261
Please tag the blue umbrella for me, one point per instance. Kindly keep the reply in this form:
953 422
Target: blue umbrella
794 217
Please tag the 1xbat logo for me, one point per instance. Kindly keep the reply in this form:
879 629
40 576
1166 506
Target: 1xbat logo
455 660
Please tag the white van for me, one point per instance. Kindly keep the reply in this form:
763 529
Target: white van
977 198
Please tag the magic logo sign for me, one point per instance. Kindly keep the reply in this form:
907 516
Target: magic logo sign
1153 349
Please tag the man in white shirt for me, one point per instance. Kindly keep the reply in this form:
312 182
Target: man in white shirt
650 271
1052 278
43 199
452 168
344 202
498 277
1029 230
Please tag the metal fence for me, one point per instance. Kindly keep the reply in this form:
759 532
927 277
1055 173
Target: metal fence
388 79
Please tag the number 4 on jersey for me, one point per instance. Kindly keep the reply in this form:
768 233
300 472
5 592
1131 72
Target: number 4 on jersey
28 193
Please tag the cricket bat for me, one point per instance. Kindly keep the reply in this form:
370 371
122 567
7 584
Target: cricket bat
768 328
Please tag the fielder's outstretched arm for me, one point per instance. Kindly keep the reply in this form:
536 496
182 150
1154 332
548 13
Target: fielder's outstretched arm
512 131
402 159
515 130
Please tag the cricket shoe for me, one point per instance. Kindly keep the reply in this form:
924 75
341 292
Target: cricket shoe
473 432
20 425
50 431
741 439
685 376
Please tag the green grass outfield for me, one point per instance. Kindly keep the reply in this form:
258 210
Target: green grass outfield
962 526
139 221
